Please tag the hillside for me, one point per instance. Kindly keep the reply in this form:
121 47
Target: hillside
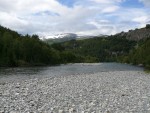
140 55
116 48
18 50
103 49
134 35
137 34
67 37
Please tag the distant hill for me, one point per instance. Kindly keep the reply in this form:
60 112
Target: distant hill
63 35
136 34
67 37
83 37
127 47
61 38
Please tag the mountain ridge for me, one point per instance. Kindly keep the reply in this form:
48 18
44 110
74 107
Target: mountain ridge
137 34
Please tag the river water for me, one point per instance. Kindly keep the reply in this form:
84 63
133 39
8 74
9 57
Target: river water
25 73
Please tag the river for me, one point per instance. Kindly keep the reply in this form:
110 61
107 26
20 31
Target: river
25 73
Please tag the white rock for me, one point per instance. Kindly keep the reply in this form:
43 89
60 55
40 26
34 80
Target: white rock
61 111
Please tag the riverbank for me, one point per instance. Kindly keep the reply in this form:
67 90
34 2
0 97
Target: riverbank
103 92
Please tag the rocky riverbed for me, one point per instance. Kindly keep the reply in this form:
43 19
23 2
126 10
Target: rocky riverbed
103 92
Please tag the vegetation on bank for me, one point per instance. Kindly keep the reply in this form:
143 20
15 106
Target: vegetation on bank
101 49
110 49
140 55
18 50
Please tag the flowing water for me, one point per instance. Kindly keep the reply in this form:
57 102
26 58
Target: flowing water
25 73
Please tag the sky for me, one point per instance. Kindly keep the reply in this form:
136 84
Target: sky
83 17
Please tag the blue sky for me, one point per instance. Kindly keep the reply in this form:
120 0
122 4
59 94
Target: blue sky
68 3
132 3
83 17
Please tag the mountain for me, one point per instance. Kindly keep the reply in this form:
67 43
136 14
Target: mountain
137 34
68 36
134 35
60 38
63 35
128 47
90 36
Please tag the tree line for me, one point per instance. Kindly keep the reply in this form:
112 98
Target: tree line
109 49
100 49
19 50
140 54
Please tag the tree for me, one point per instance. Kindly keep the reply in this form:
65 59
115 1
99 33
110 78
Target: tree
148 26
36 37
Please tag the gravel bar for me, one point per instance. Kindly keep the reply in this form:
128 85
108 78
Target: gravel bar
103 92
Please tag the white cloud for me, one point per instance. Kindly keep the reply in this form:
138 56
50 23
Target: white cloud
142 19
146 2
29 14
110 9
12 21
107 1
46 17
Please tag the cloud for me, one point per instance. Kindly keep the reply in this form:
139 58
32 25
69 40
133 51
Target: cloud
145 2
93 17
12 21
110 9
142 19
107 1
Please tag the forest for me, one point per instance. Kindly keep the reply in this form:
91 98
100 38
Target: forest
109 49
19 50
140 54
100 49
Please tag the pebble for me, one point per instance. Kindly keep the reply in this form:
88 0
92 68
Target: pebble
102 92
61 111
